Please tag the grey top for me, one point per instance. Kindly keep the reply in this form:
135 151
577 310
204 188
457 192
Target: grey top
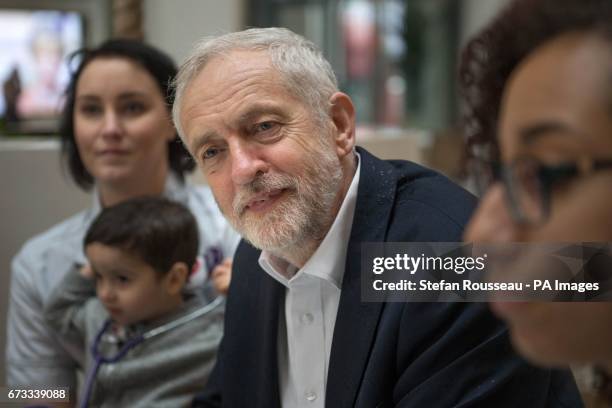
165 370
35 354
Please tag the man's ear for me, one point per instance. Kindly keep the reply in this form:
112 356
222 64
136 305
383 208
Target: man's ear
176 278
342 113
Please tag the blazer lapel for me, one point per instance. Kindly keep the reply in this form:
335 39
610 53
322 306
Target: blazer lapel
272 295
357 321
254 351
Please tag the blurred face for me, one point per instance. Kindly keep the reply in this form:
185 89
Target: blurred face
130 290
275 171
557 108
122 125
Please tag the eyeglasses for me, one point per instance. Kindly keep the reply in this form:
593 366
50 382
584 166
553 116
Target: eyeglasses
529 183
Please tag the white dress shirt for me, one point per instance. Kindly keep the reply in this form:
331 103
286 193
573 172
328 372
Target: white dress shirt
311 303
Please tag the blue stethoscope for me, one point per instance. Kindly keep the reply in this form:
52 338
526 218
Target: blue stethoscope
100 359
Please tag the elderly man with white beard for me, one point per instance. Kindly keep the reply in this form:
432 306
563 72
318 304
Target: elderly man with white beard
261 113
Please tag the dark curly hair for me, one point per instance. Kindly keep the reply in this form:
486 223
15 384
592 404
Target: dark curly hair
490 58
161 68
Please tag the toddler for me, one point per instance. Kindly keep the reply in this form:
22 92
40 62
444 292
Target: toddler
150 342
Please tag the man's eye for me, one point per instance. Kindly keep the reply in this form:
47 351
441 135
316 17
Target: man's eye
210 153
264 126
123 279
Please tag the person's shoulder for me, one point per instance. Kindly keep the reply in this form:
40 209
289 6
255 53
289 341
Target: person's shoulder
419 186
424 180
414 183
56 234
60 237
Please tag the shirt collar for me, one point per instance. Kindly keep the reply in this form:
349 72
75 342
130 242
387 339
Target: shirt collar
329 259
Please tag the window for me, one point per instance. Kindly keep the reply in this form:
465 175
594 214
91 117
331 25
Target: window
395 58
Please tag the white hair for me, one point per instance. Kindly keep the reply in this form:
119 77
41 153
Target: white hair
303 69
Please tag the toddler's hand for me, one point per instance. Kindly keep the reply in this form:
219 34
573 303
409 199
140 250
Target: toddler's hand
87 272
221 276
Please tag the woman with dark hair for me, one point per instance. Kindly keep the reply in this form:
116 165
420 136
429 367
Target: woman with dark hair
538 89
117 138
160 70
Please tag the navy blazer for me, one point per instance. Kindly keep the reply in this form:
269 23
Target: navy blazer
384 354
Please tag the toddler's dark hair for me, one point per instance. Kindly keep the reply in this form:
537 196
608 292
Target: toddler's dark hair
159 231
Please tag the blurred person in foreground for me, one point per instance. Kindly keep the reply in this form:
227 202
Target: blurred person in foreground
117 138
261 112
538 89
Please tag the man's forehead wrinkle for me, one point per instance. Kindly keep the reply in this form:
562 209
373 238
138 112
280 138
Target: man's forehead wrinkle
243 85
240 91
230 80
230 113
199 100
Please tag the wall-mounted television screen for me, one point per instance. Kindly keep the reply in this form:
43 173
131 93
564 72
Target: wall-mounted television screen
34 72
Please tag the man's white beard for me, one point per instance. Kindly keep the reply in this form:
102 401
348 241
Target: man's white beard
303 213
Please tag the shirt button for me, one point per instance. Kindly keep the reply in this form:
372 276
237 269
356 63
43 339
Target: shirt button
311 396
306 318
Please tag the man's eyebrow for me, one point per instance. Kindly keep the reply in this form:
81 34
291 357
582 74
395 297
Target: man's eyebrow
258 110
247 115
532 133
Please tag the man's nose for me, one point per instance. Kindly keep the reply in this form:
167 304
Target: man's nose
492 221
246 162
